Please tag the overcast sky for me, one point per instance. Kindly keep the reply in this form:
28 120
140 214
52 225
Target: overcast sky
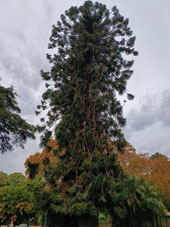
25 27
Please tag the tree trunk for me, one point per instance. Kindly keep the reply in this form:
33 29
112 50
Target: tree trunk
61 221
87 221
43 219
11 224
66 221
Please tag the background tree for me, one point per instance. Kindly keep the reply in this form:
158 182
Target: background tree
137 203
41 197
14 130
16 178
155 169
158 155
35 164
22 200
16 201
3 178
135 164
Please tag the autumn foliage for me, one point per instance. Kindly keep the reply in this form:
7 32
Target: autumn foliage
36 164
155 169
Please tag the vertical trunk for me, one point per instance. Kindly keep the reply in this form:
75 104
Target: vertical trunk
166 222
61 221
66 221
11 224
110 222
43 220
87 221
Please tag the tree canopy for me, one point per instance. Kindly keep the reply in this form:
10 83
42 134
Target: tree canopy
89 69
3 178
14 130
21 200
15 199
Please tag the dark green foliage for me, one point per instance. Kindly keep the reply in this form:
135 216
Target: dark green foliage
33 170
158 155
3 179
22 200
136 203
14 130
89 70
16 178
16 201
41 198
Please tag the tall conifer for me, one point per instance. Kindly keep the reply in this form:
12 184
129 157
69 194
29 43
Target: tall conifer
89 71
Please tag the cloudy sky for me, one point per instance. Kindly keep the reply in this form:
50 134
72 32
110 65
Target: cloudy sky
25 27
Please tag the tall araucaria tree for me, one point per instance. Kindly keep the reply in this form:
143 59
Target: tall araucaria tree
89 71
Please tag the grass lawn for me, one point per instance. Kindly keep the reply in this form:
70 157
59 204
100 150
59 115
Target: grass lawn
103 219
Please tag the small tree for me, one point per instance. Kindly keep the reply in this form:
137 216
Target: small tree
14 130
16 203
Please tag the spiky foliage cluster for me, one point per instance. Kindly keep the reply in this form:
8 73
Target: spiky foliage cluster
89 71
14 130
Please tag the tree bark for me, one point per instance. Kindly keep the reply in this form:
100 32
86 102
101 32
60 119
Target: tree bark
62 221
84 221
87 221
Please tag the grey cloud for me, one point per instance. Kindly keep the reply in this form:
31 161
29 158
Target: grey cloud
23 47
14 161
153 109
164 111
151 140
160 145
145 116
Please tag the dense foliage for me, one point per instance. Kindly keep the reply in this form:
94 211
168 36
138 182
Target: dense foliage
36 164
155 169
14 130
15 200
89 71
3 179
137 203
21 201
130 198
